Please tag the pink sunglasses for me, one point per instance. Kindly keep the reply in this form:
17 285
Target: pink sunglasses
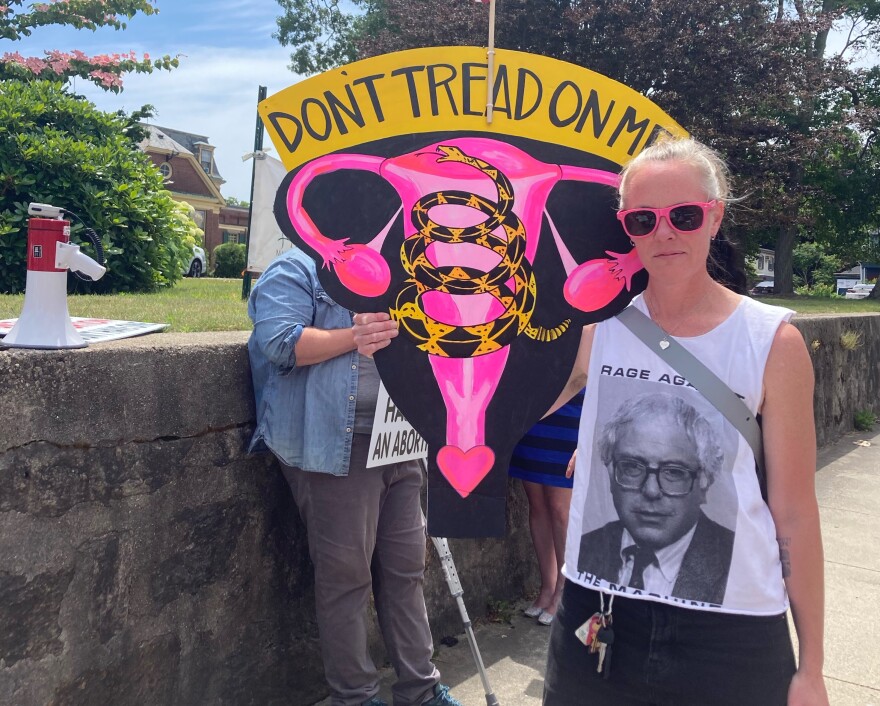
683 217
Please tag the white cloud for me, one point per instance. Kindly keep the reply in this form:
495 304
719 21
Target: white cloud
212 93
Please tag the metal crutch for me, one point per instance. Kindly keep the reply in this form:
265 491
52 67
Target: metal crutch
448 566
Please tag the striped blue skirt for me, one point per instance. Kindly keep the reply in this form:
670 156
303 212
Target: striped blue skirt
543 453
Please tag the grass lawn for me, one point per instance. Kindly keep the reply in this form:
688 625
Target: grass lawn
209 304
204 304
810 305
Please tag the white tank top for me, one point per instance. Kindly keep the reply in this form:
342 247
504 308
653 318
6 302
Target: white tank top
652 523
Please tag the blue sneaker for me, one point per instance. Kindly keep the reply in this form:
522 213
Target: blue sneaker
374 701
442 697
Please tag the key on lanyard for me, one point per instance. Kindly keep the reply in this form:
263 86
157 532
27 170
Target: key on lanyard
605 638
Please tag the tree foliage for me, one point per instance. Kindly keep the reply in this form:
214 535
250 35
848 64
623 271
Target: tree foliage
104 70
842 205
813 265
323 34
59 149
752 78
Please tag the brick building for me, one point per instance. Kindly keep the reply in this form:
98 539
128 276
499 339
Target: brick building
186 160
233 224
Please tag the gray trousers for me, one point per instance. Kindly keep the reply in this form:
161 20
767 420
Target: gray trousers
366 531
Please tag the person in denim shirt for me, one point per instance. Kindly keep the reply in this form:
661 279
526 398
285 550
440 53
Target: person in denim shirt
315 399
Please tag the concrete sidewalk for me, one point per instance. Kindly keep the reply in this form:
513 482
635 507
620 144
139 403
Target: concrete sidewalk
848 488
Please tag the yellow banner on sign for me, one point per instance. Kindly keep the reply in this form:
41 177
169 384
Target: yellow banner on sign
442 89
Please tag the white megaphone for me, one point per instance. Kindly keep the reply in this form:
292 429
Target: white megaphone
45 321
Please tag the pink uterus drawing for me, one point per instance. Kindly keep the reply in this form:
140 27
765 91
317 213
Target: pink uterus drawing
476 207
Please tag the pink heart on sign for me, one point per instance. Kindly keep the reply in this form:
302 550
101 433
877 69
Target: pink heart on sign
465 469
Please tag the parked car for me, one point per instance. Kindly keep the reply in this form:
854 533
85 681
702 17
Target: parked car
858 291
765 287
197 264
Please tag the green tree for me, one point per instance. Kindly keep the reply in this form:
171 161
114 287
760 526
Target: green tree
827 124
104 70
57 148
323 34
843 203
813 265
752 78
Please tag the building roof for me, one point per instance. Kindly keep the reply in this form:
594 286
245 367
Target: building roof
158 138
180 142
857 271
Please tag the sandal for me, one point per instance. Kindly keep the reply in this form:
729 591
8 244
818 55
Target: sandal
533 611
545 618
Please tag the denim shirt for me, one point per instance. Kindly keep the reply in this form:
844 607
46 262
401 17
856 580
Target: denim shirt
305 415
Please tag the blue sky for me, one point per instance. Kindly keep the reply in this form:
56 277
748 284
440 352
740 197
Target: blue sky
227 52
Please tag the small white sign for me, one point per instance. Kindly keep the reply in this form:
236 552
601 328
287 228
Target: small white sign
393 439
96 330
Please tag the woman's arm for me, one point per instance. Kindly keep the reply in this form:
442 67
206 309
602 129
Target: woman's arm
282 308
790 456
317 345
578 378
281 305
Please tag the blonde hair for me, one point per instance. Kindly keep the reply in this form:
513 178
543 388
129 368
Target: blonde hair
715 175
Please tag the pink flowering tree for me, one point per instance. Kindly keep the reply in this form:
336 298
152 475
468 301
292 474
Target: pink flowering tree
104 70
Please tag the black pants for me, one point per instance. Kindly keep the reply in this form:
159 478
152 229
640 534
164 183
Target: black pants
668 656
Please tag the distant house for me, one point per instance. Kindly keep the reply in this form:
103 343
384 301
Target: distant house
186 160
764 264
861 273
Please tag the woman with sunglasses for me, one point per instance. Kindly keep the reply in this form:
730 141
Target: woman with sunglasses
679 572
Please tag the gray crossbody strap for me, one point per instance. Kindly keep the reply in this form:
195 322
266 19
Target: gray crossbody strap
707 383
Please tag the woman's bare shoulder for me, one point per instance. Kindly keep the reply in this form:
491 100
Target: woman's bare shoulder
788 375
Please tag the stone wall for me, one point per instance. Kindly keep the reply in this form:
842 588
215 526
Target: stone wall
846 358
146 559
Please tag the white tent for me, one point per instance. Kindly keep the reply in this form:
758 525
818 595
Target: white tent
265 240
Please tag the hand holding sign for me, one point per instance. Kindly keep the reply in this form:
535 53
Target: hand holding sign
372 332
